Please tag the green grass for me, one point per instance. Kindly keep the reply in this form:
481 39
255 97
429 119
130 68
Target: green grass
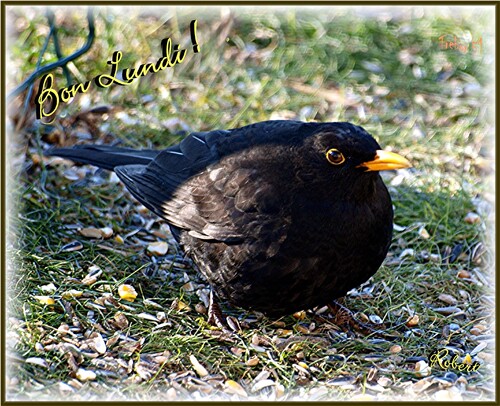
325 66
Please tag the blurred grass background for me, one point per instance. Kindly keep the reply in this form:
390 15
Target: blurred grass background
383 68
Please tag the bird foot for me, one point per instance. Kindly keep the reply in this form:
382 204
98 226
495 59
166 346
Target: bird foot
344 318
228 325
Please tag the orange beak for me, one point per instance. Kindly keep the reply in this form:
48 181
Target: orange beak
385 161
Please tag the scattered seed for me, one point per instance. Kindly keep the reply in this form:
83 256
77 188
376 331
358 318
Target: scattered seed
72 246
200 308
91 232
280 390
395 349
472 218
262 384
448 395
98 344
422 232
65 388
300 315
384 381
342 381
158 248
235 387
189 287
480 347
467 359
375 319
85 375
362 398
94 272
71 294
257 348
119 239
106 232
180 305
463 274
50 288
46 300
63 329
251 362
200 369
127 292
37 361
475 331
413 321
261 376
449 299
408 252
422 369
233 323
447 311
283 333
147 316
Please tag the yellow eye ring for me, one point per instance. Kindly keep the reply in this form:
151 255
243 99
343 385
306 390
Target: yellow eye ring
335 157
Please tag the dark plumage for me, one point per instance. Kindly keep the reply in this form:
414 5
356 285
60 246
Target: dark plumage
279 216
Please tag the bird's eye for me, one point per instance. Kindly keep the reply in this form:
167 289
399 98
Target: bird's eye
335 157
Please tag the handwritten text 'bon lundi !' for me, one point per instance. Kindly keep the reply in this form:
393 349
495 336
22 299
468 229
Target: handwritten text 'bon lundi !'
48 99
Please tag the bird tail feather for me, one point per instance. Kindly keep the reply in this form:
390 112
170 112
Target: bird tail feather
104 156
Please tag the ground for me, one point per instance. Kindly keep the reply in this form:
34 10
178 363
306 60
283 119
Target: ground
75 236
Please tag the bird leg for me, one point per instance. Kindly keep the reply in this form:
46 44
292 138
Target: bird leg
216 318
344 318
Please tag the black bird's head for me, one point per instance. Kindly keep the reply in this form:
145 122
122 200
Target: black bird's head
345 154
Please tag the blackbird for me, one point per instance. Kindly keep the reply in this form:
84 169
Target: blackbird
279 216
